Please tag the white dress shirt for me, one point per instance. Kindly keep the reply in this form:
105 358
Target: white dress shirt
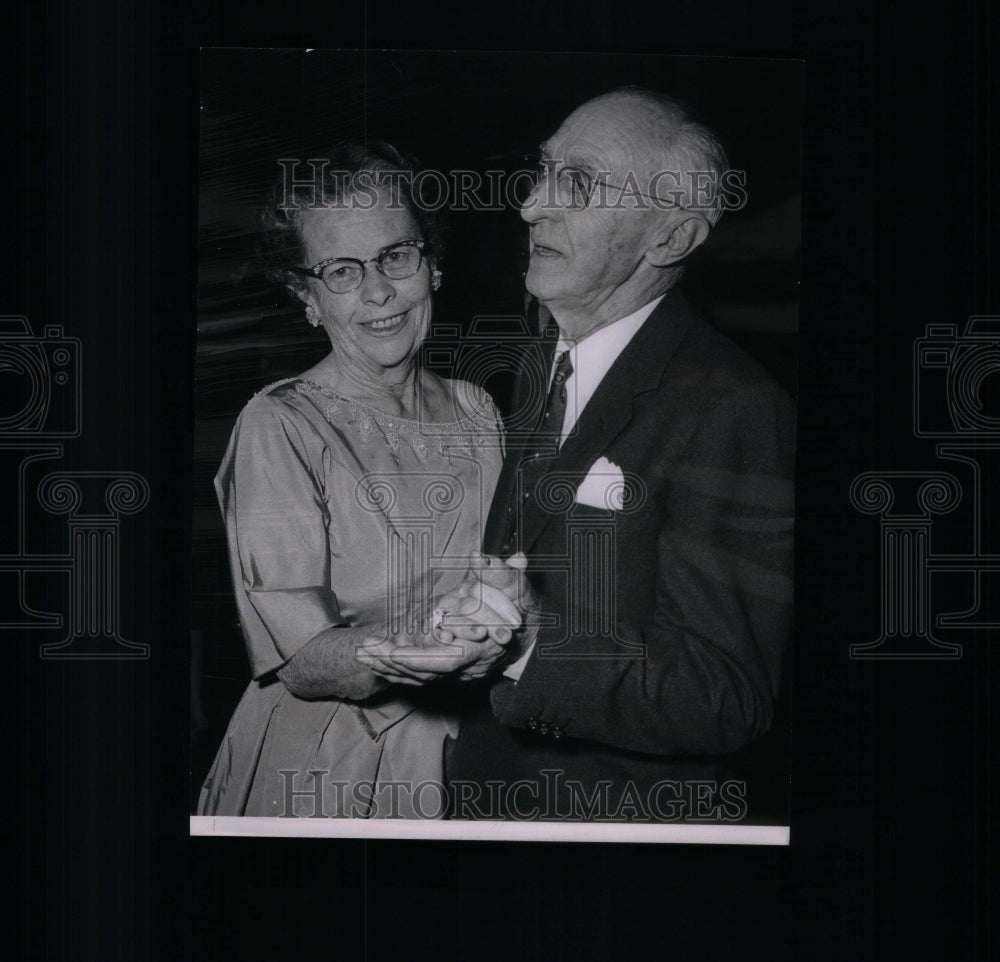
591 359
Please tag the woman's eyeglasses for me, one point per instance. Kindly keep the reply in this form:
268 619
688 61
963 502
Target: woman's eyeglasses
341 275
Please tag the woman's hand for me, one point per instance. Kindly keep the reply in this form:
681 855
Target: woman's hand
378 654
404 660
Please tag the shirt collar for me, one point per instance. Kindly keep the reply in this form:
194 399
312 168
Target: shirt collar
593 356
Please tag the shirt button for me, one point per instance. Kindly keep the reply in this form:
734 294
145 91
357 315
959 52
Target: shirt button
557 732
532 724
543 729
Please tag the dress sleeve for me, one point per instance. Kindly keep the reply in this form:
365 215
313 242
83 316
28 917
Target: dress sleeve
271 491
477 403
495 419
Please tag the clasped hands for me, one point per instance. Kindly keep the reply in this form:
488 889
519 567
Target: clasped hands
474 626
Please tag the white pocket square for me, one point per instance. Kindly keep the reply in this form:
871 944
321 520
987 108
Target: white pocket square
603 487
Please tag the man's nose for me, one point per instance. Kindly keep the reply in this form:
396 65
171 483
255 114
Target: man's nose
538 204
376 288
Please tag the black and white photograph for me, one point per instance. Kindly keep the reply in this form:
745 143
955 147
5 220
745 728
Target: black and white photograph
494 444
499 481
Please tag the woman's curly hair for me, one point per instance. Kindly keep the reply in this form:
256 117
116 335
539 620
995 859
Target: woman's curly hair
348 168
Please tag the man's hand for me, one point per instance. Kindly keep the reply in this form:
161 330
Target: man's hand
492 600
495 601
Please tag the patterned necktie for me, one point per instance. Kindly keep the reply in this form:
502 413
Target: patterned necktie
555 403
549 430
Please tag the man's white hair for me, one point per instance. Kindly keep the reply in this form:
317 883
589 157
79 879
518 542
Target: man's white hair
688 147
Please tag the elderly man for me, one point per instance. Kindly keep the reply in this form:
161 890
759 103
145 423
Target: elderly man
651 492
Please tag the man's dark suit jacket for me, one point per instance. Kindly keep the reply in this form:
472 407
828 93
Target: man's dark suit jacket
669 618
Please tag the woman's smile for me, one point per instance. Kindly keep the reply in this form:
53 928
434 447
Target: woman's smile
386 326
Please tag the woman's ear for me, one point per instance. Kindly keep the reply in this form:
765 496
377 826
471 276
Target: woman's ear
312 309
678 239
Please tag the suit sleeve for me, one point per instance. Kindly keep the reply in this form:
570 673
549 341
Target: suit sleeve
695 668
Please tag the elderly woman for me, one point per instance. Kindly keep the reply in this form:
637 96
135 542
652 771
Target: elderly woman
352 496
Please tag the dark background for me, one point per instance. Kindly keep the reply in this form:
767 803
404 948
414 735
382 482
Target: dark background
100 193
456 111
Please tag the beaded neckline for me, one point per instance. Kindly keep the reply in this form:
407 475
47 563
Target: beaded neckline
445 438
378 413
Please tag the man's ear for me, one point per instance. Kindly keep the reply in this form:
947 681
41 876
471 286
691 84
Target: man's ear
678 239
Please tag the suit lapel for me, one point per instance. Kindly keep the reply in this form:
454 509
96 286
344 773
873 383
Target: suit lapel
639 368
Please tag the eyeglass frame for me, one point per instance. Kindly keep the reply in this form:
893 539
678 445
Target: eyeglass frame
316 271
546 166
